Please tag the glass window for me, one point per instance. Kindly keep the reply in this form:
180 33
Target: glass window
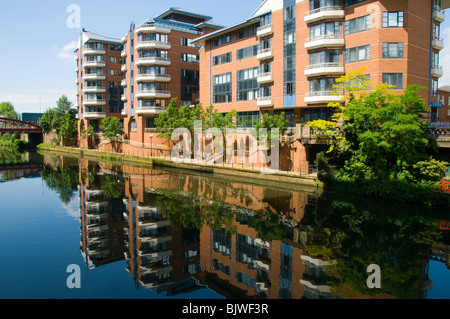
357 25
222 88
393 19
393 50
356 54
394 79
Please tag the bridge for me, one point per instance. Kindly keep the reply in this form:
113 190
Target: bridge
16 126
30 132
18 171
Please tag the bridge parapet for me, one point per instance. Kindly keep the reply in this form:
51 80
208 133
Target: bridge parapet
16 126
442 135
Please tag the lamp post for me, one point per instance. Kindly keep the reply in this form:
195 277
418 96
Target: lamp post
151 145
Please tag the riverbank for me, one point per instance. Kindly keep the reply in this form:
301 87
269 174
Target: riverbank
235 173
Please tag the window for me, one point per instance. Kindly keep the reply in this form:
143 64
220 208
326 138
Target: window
289 38
247 52
265 20
247 84
154 54
325 56
320 86
393 50
317 4
436 31
146 37
360 53
246 31
187 43
329 29
222 88
352 2
435 59
357 25
221 40
393 19
248 119
289 12
435 88
394 79
222 59
185 57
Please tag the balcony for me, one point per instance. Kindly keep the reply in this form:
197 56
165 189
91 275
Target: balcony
124 97
437 71
265 54
150 28
94 51
94 64
153 77
325 41
264 31
152 61
438 15
94 102
124 112
328 68
323 97
94 115
123 68
94 76
123 53
149 110
264 78
265 101
153 45
123 82
329 12
94 89
158 94
438 44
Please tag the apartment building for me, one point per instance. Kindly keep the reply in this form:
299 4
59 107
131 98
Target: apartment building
161 63
289 53
98 80
442 114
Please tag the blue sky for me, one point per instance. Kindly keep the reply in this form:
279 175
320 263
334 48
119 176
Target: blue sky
37 62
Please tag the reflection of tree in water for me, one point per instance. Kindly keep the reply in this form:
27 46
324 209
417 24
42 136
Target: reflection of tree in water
358 233
63 180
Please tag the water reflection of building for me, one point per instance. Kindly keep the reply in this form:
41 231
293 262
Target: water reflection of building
102 239
233 259
161 257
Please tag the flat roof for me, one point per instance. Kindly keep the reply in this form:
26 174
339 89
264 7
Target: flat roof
202 40
183 12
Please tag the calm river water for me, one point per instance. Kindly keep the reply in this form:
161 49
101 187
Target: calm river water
72 228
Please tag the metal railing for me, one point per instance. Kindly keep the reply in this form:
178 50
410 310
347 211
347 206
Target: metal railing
322 9
325 37
324 65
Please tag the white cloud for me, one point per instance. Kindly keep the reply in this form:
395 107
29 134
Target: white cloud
66 52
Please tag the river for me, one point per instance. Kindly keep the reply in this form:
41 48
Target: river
80 229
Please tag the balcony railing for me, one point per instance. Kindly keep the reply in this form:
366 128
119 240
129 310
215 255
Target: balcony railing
264 30
265 77
265 101
327 12
438 43
438 14
324 69
264 54
153 60
95 102
323 97
153 77
153 44
437 71
150 110
324 40
153 93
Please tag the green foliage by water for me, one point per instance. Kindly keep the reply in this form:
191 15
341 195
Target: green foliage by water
382 143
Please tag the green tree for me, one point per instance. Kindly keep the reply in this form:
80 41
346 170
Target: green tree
7 110
382 134
68 126
63 105
111 127
270 122
87 134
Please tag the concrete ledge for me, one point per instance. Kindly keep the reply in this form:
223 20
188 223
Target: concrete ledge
307 183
